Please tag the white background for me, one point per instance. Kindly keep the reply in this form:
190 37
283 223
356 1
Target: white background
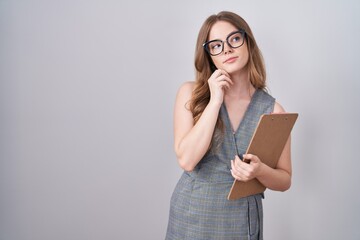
86 100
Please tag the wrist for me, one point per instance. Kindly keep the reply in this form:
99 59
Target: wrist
214 103
261 170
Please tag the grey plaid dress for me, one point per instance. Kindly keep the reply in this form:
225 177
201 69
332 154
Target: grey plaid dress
199 207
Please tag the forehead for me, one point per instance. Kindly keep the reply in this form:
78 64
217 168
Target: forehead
221 29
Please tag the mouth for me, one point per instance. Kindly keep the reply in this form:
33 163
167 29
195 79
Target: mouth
230 60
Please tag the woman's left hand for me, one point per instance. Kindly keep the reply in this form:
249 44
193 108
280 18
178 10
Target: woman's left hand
244 171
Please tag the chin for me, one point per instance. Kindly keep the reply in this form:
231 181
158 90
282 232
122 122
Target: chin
234 69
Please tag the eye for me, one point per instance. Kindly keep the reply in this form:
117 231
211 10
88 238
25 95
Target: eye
215 45
236 38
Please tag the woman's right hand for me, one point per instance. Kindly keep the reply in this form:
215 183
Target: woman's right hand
218 82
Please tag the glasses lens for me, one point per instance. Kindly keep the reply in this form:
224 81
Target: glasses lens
214 47
236 39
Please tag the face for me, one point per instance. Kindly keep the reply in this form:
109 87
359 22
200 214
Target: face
231 60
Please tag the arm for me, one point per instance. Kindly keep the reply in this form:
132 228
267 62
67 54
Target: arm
278 179
191 142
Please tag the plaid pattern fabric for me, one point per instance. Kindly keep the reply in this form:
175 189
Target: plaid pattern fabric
199 209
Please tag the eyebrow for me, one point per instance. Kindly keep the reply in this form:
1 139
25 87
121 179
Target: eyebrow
226 36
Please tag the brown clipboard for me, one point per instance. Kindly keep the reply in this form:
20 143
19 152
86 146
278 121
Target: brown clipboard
267 142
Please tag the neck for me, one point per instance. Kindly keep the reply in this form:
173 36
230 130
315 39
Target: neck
242 88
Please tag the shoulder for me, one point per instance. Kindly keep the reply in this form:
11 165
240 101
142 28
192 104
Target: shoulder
186 89
278 108
266 100
265 96
184 94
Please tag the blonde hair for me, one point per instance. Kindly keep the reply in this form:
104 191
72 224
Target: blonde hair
205 67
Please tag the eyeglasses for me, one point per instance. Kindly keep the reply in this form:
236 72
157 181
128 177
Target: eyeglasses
234 40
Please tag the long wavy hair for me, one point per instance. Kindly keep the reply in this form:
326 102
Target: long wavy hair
205 67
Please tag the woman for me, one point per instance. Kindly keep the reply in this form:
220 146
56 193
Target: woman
214 119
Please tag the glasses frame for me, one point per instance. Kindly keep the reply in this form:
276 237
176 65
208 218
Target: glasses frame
206 44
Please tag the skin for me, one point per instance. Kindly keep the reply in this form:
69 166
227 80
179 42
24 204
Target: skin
230 85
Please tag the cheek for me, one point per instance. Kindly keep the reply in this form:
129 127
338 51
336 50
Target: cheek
246 53
244 57
216 61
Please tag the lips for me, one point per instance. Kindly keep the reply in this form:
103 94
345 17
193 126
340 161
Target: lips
230 60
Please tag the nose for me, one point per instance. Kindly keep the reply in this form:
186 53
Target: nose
227 47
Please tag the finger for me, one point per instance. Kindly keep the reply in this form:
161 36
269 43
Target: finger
220 72
248 158
225 72
235 176
237 165
242 175
224 84
228 76
243 167
238 161
234 167
224 78
217 73
238 175
252 158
